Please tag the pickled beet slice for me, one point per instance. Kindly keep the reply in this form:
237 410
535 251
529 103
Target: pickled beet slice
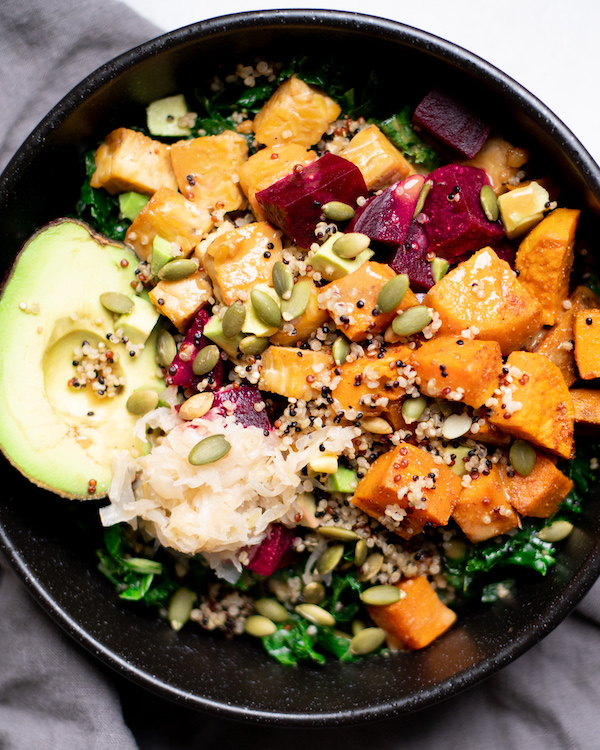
274 552
454 219
244 397
180 371
386 217
411 258
294 203
450 121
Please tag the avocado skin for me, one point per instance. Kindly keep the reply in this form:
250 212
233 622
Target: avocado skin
58 436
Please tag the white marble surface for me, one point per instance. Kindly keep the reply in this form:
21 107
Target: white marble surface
552 47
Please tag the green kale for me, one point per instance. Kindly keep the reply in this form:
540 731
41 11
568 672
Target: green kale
291 643
99 208
401 133
343 601
336 644
582 476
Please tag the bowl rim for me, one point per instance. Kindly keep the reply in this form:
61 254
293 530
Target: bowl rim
468 62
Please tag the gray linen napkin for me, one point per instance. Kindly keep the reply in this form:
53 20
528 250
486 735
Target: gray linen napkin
54 696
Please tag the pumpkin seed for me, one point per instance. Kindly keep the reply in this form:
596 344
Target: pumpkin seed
336 532
357 626
330 559
283 279
308 506
413 408
253 345
489 203
259 626
180 607
117 303
233 320
367 641
209 450
444 406
555 531
454 549
422 198
178 269
266 308
196 406
166 348
392 293
460 453
439 268
326 463
522 457
340 350
456 425
272 609
360 553
206 360
411 321
381 595
338 211
315 614
350 245
141 402
313 592
377 426
293 307
370 567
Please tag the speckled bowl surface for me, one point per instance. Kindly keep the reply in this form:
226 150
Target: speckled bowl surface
42 535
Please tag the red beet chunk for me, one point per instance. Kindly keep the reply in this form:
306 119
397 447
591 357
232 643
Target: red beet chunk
387 217
506 251
453 123
274 552
294 203
455 222
244 397
180 371
411 258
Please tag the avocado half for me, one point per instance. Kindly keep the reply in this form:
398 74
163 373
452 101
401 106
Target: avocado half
59 436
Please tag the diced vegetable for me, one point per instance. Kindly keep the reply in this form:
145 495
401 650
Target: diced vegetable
484 293
545 261
411 258
180 300
296 113
523 208
586 331
416 619
181 371
274 552
207 170
483 509
586 408
163 116
537 404
287 371
249 407
500 161
540 493
306 324
380 163
130 161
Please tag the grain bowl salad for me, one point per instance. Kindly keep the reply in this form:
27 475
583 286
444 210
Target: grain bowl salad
324 361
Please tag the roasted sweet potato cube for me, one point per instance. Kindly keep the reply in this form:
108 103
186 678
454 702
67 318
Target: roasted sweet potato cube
586 330
181 300
472 367
293 373
483 293
207 169
393 414
311 319
359 290
558 345
484 431
377 158
586 409
173 218
538 406
418 618
296 113
390 492
483 510
500 161
540 493
129 160
545 261
236 260
370 384
269 165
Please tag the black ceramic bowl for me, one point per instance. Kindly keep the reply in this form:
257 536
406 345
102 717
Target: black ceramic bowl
41 534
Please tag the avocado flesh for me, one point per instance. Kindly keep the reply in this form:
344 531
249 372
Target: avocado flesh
58 436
